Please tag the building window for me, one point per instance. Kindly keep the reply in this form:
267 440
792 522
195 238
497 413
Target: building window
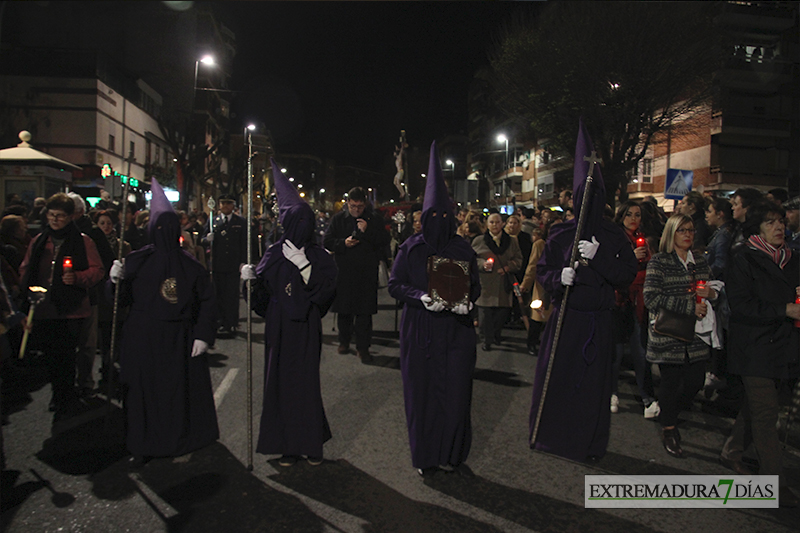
647 170
111 143
147 148
157 158
133 149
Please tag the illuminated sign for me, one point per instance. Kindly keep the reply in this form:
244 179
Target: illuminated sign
106 171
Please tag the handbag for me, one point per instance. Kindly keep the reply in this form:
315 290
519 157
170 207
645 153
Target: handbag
674 325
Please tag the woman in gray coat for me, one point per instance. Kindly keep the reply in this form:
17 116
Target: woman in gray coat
498 255
671 284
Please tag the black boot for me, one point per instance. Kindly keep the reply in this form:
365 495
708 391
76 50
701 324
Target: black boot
671 440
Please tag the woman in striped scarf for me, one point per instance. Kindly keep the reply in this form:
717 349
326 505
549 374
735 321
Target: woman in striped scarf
763 342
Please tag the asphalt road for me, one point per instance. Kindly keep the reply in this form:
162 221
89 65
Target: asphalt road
74 475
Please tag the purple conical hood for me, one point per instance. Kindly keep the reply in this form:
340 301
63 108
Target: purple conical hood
159 204
584 148
438 220
295 215
287 194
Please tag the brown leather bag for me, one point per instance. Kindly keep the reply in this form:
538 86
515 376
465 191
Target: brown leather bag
674 325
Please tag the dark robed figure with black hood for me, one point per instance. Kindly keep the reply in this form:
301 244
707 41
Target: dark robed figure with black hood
437 346
294 285
576 418
170 325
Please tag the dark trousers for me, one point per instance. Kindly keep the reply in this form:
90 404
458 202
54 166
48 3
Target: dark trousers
644 374
679 384
492 321
226 288
58 339
534 332
756 424
363 330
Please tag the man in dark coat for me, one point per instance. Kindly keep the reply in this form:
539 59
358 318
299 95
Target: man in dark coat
136 237
437 345
87 348
693 205
575 419
170 325
357 237
294 286
228 254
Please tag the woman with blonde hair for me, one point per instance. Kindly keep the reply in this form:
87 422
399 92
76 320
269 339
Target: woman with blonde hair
671 285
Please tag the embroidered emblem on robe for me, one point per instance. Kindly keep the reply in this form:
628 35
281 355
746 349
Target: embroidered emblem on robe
169 290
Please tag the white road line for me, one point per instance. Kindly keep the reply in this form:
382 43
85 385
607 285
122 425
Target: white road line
223 388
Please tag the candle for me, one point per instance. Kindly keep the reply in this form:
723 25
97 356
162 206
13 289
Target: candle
700 285
67 264
797 322
490 263
640 242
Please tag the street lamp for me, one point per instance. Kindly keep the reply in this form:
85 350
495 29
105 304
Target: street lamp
452 166
502 138
206 60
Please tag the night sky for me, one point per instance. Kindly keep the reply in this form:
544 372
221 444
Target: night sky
341 79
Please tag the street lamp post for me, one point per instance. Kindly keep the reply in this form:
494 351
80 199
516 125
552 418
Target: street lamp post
209 61
502 138
206 60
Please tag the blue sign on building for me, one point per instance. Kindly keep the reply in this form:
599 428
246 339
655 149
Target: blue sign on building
678 183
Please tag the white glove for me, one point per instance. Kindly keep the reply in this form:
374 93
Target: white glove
588 249
117 271
199 347
295 255
462 309
210 237
430 306
248 272
568 275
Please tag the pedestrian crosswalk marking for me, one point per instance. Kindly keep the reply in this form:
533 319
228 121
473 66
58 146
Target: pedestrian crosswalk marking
223 388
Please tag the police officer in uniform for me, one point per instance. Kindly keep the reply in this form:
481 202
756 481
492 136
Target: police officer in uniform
228 253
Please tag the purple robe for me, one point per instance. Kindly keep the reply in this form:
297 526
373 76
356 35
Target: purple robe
437 358
170 401
576 417
293 418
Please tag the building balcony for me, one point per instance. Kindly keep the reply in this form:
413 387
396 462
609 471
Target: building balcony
751 125
772 17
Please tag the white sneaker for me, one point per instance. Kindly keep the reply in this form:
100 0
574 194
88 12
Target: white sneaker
614 403
652 410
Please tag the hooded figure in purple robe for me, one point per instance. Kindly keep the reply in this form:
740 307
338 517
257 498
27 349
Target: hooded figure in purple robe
294 287
437 346
576 417
170 324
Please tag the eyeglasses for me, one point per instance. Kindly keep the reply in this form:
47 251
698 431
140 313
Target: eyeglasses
683 231
54 216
